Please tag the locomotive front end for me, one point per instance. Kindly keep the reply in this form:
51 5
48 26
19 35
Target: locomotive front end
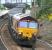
27 28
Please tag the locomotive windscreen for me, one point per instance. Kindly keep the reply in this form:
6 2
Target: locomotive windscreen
23 24
31 24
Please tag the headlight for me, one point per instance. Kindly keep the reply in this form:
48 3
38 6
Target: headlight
34 34
20 33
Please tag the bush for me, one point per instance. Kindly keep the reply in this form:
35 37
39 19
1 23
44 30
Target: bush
2 7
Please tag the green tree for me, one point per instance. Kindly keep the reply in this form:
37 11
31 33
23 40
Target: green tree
45 8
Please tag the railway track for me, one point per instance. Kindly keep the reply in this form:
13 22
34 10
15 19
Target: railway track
2 22
11 45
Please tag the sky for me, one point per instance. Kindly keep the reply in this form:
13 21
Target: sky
14 1
3 1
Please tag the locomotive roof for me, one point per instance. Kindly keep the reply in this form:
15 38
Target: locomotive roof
17 9
18 16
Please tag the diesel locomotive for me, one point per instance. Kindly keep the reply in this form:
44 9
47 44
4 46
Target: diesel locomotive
22 26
